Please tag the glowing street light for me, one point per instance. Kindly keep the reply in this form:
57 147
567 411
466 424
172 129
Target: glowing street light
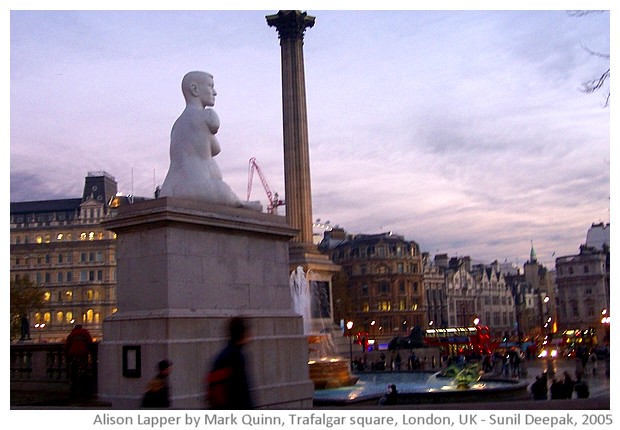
349 327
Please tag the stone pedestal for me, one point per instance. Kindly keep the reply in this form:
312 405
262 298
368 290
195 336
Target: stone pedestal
184 268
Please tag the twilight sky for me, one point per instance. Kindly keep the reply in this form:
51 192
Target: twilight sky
465 131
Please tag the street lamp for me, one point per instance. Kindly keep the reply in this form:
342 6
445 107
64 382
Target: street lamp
40 326
349 327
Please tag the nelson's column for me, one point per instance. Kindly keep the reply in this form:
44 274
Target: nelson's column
291 26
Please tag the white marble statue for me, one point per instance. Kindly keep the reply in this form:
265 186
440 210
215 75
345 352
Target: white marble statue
193 172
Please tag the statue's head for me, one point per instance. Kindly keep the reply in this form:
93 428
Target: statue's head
199 85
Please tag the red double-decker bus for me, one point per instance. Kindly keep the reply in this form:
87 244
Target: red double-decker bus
473 340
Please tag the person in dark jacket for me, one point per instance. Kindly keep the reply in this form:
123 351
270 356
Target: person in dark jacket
78 348
539 388
157 393
228 385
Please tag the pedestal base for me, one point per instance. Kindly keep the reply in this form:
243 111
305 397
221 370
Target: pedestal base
184 268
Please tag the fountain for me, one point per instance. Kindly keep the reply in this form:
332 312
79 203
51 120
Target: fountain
462 376
327 369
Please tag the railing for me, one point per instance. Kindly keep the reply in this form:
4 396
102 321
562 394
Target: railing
43 367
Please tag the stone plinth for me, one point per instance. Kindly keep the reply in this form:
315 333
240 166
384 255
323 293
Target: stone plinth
184 268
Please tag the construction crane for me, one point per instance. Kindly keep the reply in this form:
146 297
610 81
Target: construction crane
274 201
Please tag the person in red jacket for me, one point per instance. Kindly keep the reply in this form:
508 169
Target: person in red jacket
78 348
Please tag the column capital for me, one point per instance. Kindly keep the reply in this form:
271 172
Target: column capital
290 24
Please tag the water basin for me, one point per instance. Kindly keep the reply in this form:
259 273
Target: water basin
418 387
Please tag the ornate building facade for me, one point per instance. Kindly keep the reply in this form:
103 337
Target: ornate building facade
383 283
60 246
583 283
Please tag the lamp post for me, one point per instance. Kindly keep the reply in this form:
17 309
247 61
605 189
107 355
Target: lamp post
40 326
349 327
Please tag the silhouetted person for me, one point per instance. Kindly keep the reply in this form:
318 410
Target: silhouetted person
557 389
78 347
569 384
539 388
390 397
228 381
25 328
582 389
157 393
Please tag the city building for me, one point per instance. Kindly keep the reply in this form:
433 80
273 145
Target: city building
583 286
60 246
383 283
436 291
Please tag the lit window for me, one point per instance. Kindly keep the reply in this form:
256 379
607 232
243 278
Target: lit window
47 296
59 316
91 235
39 239
47 317
69 317
59 236
69 295
83 236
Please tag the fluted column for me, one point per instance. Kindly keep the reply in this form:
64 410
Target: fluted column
291 26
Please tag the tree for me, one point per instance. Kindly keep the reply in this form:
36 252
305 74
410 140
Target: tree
594 85
25 298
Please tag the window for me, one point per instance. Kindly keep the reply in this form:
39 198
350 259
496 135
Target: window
83 257
59 258
402 305
384 287
400 268
69 295
401 287
47 296
365 290
414 306
586 269
59 237
365 307
384 305
59 317
59 277
84 276
99 275
69 317
69 276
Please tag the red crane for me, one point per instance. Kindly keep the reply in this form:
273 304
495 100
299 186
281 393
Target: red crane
274 201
